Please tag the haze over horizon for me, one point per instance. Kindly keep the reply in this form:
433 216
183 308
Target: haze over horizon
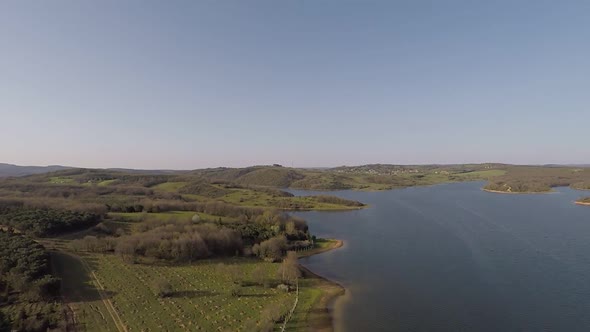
204 84
272 164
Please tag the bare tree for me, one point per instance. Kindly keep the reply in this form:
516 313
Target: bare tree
271 249
127 250
259 275
289 270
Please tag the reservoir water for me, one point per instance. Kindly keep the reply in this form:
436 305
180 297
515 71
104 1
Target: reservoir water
452 257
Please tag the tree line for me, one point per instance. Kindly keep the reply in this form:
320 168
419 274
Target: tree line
45 221
268 235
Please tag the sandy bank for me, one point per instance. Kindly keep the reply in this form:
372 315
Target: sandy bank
334 244
319 317
517 192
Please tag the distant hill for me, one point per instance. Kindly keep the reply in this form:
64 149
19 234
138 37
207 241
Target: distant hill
272 176
362 177
567 165
147 171
15 170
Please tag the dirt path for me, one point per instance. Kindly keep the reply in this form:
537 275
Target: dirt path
84 295
108 304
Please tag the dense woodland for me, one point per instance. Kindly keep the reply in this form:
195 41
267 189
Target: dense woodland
45 221
28 291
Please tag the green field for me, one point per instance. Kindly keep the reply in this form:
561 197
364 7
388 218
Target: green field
61 180
138 216
106 182
107 294
81 294
477 175
170 186
250 198
201 298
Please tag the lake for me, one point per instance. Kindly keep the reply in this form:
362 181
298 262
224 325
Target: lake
452 257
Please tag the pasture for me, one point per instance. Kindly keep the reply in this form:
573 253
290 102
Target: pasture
201 299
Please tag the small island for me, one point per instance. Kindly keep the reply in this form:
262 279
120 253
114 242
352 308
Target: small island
583 201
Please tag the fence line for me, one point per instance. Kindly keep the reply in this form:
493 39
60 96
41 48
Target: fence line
292 309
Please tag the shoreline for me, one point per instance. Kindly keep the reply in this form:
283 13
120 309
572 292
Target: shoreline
319 317
335 244
517 192
352 208
582 203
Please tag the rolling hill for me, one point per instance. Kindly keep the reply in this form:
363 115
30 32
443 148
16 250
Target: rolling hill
15 170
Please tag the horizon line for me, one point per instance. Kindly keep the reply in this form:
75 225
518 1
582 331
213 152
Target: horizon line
300 167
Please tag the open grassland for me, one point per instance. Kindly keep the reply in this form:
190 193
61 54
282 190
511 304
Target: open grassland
201 298
181 215
107 294
61 180
383 177
479 175
170 186
105 182
138 216
251 198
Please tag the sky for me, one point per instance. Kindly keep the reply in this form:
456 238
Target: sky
193 84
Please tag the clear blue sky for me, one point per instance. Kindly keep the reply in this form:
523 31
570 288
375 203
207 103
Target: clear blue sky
191 84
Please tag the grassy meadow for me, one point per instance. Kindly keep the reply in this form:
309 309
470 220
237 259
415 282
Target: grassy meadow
106 293
202 297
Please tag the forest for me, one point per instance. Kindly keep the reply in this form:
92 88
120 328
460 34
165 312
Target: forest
45 221
25 279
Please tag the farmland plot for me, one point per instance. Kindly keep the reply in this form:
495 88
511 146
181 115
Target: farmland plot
202 296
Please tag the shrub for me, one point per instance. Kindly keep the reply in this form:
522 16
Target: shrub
163 288
272 249
236 291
